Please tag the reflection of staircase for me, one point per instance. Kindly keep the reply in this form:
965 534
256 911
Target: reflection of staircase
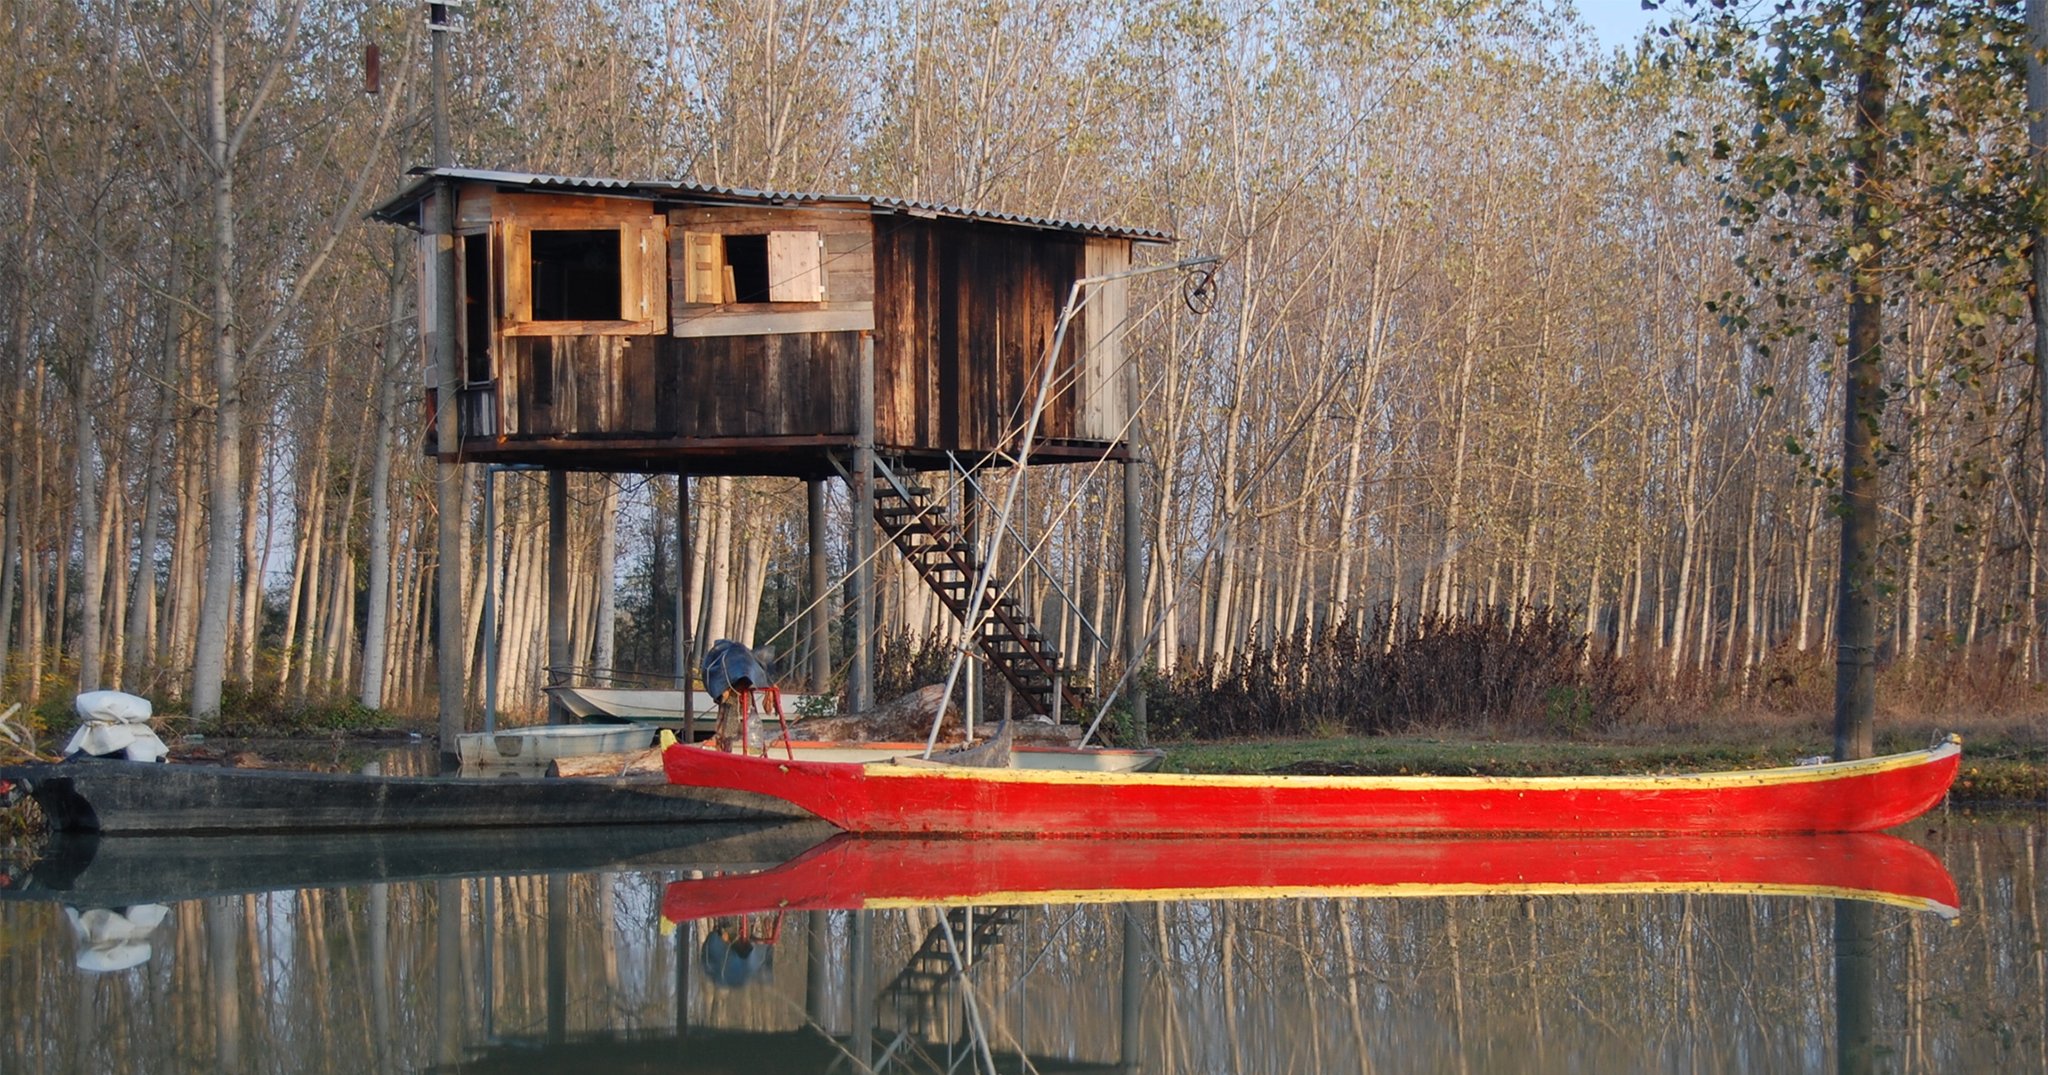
914 994
927 536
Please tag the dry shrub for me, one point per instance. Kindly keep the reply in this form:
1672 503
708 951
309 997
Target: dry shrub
906 660
1526 671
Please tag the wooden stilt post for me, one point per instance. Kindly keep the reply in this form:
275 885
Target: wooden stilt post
451 657
1134 593
821 581
686 586
491 598
860 684
450 495
558 591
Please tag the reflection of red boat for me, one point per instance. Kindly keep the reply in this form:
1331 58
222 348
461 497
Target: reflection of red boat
1853 796
851 872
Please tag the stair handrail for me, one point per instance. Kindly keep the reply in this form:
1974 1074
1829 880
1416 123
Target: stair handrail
1075 301
973 624
1030 559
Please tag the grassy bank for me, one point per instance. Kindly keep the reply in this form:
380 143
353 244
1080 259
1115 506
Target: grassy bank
1999 765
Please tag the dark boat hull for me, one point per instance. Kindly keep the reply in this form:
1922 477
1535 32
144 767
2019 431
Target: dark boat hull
111 871
120 797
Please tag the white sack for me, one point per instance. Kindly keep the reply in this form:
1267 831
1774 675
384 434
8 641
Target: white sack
112 707
116 723
113 940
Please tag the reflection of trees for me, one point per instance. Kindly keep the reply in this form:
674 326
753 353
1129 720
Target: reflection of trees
320 980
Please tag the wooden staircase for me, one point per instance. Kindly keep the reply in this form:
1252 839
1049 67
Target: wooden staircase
914 993
924 531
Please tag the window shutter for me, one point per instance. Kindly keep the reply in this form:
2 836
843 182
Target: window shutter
518 275
794 273
653 240
703 267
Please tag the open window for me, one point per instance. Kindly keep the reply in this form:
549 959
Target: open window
475 301
744 269
586 272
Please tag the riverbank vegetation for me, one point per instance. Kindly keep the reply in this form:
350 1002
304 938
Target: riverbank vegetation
1515 399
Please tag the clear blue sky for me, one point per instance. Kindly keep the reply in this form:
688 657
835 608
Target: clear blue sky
1618 22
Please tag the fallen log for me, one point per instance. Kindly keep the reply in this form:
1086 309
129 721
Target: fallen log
631 763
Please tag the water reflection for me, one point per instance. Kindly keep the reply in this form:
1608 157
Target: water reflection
403 956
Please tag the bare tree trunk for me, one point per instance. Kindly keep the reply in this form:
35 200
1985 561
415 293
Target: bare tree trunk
142 595
92 573
718 580
2037 157
1863 401
225 479
340 601
376 629
14 546
250 618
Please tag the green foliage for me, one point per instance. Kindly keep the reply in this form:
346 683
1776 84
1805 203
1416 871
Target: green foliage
263 710
1949 209
816 705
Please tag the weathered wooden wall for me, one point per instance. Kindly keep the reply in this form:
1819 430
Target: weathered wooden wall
800 384
963 316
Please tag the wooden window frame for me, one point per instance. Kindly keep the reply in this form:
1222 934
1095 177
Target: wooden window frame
643 268
796 270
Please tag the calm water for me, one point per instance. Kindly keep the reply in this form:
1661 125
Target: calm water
455 954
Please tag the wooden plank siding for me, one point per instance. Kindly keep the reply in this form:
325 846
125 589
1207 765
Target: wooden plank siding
641 386
961 313
845 272
964 313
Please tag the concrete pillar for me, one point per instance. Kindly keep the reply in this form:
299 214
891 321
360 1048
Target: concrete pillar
821 582
558 591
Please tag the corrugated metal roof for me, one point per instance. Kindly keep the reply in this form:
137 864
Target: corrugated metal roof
399 210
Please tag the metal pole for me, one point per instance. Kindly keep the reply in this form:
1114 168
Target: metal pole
860 685
970 673
491 598
558 592
821 581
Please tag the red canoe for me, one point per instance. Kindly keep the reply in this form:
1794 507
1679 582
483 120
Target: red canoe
852 872
922 798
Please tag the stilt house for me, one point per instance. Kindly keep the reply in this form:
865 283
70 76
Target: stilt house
671 327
